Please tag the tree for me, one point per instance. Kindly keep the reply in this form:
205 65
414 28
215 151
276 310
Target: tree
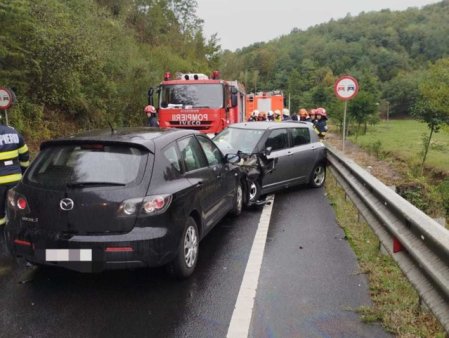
433 102
363 108
402 92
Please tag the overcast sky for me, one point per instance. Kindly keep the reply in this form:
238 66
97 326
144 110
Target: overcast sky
240 23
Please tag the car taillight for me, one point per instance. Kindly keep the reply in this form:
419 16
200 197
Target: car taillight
154 205
21 203
129 207
17 201
149 205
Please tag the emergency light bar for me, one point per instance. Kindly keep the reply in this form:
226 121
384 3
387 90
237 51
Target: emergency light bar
191 76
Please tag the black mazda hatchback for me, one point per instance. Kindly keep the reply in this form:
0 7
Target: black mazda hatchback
122 199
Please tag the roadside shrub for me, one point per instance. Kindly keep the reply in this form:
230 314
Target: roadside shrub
375 149
443 189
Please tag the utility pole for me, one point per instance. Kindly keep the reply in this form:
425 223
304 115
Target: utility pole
388 110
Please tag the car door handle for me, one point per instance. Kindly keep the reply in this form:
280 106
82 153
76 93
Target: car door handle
199 184
289 153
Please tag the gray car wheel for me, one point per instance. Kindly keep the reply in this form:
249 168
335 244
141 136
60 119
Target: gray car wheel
318 176
253 191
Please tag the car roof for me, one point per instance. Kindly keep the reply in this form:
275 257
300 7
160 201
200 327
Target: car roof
262 125
143 137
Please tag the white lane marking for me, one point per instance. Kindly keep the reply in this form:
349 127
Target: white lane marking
243 310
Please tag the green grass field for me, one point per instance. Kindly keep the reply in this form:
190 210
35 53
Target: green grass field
403 139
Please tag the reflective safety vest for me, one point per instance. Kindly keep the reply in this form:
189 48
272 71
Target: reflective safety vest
14 155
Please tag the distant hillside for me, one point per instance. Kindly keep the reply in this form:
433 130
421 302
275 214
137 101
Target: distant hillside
386 50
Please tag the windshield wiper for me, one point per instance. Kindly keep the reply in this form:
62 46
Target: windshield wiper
90 184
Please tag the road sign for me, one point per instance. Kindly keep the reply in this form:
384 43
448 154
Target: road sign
5 98
346 88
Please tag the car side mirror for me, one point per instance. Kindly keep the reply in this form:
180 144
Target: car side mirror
150 96
267 151
232 158
234 100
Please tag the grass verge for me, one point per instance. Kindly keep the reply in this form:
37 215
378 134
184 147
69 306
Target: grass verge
395 302
403 139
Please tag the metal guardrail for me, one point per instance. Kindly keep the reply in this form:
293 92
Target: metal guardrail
425 255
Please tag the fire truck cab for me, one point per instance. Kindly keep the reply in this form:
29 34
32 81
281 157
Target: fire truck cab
195 101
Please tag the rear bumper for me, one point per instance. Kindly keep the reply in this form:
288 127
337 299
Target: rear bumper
142 247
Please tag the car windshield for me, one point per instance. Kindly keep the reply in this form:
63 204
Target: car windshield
87 165
231 140
192 95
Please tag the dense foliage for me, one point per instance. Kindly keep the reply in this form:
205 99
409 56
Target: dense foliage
432 104
388 51
85 63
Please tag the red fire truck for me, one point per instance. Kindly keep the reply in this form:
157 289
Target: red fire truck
195 101
264 102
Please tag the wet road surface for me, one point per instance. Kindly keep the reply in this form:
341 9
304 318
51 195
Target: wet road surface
310 284
304 292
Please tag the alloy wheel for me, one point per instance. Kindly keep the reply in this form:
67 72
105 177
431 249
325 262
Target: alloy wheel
190 246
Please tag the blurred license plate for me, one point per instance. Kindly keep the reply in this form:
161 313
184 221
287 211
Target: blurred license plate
68 255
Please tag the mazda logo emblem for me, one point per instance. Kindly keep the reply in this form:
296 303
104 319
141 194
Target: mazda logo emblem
66 204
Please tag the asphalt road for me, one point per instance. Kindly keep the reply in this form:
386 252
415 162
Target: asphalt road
309 286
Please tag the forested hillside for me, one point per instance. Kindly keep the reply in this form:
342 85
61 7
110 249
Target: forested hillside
86 63
388 51
83 63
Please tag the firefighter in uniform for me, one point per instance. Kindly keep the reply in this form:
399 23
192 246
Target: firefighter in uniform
14 159
151 115
321 124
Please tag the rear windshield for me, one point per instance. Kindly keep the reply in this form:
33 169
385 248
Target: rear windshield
89 163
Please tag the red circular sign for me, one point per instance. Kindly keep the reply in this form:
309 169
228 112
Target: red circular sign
5 98
346 87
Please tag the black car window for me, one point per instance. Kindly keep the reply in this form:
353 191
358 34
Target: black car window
191 154
300 136
213 154
87 163
277 140
172 156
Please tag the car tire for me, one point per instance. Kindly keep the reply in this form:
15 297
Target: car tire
254 190
238 201
186 259
318 176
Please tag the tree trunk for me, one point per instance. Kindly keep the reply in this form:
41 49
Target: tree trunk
426 148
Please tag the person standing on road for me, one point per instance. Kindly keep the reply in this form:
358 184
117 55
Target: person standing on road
14 159
321 124
303 115
312 116
285 114
151 114
254 116
277 115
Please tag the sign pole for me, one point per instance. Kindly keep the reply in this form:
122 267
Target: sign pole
345 88
6 117
344 126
